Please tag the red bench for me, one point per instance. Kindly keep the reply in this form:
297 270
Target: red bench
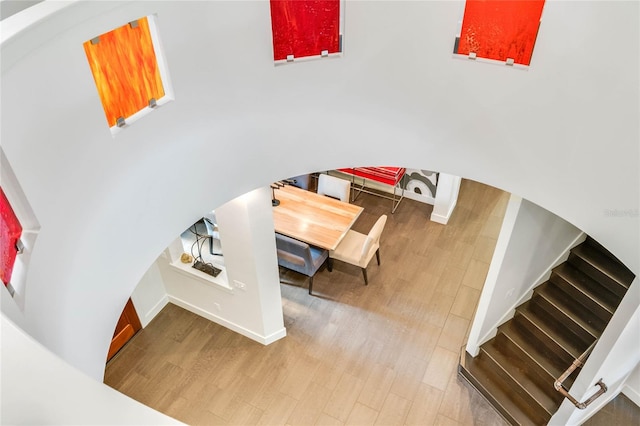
387 175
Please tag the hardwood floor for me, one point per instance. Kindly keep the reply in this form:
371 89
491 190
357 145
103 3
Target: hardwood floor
382 354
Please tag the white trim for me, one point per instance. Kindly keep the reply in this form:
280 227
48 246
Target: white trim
632 394
146 318
444 219
220 282
265 340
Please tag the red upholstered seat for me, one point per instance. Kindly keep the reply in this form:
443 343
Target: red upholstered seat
387 175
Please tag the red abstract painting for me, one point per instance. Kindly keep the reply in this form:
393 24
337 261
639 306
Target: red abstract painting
10 231
124 67
500 29
305 27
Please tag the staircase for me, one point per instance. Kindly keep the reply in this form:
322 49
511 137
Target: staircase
516 369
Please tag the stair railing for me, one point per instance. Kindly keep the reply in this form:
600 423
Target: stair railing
579 363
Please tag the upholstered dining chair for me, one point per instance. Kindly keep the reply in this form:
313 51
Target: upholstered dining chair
301 181
358 249
334 187
300 257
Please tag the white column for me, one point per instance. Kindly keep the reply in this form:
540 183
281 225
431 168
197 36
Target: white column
248 242
446 198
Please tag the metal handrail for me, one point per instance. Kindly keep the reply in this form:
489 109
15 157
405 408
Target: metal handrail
575 364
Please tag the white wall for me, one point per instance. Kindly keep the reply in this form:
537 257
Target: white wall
250 303
150 295
632 386
563 134
532 241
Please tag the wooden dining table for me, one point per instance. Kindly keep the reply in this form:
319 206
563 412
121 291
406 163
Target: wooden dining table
312 218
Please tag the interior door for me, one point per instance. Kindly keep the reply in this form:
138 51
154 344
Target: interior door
127 326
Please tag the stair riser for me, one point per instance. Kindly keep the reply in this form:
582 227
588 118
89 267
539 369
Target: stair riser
605 280
624 273
582 298
559 355
542 307
532 367
479 385
534 412
514 387
581 315
583 282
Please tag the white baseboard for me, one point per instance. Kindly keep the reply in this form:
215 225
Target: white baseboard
444 219
632 394
265 340
146 319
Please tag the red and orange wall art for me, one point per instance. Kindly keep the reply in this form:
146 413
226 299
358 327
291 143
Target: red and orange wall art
124 67
305 27
10 232
500 29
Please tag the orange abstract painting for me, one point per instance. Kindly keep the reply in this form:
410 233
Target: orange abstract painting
124 67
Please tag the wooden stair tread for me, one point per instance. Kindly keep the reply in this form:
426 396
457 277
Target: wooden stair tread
519 376
490 387
587 285
570 311
625 273
611 268
580 312
532 349
570 346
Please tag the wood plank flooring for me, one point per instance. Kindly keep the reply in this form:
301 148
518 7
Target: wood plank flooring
382 354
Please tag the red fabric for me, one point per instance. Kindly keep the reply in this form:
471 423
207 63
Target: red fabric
304 27
500 29
388 175
10 231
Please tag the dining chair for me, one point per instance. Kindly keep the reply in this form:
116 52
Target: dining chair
300 256
358 249
301 181
334 187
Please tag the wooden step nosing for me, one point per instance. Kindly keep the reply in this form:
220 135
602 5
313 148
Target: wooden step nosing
581 267
533 359
487 395
586 293
578 311
620 281
572 352
610 266
502 402
575 320
545 405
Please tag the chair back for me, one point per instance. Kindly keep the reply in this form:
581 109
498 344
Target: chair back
373 237
302 181
334 187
